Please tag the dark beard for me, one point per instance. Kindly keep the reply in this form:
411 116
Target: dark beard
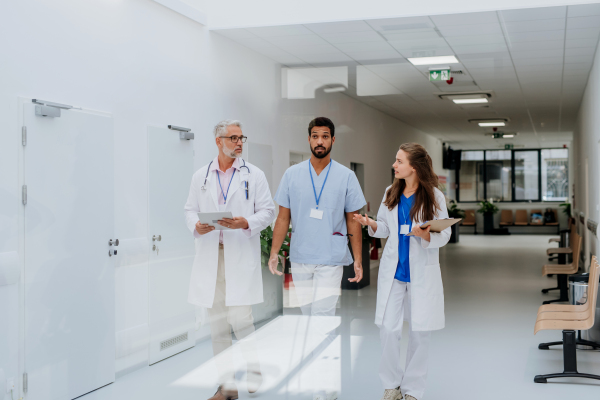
323 155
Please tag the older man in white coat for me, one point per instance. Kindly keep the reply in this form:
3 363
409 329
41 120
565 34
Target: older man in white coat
226 276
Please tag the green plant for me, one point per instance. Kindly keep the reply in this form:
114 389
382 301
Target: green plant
454 211
487 207
566 206
266 241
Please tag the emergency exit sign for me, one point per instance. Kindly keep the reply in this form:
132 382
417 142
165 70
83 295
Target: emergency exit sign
439 75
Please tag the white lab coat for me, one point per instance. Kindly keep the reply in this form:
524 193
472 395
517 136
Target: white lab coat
427 292
243 273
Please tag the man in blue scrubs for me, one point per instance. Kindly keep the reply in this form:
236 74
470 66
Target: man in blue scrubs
319 197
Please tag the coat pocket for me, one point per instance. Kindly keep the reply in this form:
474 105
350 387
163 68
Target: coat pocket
339 248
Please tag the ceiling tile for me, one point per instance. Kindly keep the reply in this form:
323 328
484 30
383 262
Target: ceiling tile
464 30
538 61
465 19
546 53
480 48
299 40
353 37
582 51
536 36
339 27
236 34
536 26
324 58
374 55
274 31
401 24
583 22
583 10
549 44
364 46
579 59
407 35
475 39
530 14
313 50
576 43
587 33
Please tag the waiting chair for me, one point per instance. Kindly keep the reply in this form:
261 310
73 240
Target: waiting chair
563 320
470 220
506 218
521 218
562 270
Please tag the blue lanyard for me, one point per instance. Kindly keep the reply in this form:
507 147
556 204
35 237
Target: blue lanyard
223 193
313 182
403 213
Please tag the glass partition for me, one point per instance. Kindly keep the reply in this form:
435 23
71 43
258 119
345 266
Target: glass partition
498 176
470 182
555 174
527 185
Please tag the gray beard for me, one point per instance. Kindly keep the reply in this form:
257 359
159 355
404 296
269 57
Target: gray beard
231 153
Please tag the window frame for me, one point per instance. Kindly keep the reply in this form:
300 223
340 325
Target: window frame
512 172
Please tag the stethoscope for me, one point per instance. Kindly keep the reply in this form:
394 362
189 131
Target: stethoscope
203 187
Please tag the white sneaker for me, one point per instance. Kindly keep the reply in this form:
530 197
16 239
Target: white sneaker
409 397
392 394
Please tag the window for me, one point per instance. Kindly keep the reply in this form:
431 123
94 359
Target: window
555 174
513 175
470 181
498 176
527 175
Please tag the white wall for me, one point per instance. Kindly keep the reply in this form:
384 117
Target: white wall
150 66
243 14
586 146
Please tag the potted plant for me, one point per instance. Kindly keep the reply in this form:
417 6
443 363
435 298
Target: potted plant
455 212
366 263
566 206
488 209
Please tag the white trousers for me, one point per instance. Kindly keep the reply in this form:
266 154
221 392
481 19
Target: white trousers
222 320
318 288
412 380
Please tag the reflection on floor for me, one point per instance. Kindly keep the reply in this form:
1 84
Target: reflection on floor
487 350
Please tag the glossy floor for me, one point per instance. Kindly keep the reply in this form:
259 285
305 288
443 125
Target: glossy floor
487 350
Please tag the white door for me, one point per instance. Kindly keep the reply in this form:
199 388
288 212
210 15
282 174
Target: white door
171 317
69 275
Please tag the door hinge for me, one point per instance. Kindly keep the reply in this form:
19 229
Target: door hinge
24 194
25 382
24 135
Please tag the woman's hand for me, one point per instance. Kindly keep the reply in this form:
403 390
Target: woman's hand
366 221
422 233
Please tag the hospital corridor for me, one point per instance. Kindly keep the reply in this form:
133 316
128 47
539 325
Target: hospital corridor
299 200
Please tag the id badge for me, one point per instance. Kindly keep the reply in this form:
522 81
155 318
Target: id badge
317 214
404 230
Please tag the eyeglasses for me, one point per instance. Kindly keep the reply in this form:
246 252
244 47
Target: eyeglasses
235 139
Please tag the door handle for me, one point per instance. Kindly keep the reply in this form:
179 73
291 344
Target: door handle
111 252
116 242
156 238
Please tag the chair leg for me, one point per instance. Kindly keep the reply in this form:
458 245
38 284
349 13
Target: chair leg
579 341
563 286
554 288
570 361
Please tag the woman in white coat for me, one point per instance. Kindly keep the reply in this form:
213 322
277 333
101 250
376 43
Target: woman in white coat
409 286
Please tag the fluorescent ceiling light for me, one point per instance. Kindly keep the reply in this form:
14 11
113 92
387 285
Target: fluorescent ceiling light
433 60
505 136
469 101
492 124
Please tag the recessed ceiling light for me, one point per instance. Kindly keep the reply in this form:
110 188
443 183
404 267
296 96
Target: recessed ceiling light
492 124
433 60
469 101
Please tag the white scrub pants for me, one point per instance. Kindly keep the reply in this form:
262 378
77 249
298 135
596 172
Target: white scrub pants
412 380
222 319
318 288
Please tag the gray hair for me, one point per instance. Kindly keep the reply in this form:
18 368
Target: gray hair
221 127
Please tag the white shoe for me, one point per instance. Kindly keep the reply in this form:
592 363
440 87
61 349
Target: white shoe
392 394
409 397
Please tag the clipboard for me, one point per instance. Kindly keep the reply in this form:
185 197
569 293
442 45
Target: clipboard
438 225
211 218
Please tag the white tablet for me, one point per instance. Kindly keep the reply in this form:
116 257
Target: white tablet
211 218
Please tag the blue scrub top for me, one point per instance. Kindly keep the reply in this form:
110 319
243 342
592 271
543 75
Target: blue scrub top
403 268
313 240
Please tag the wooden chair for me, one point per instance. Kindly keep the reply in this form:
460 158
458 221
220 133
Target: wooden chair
506 218
521 218
562 271
557 240
470 220
541 222
569 322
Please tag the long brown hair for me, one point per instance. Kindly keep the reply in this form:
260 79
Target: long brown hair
425 206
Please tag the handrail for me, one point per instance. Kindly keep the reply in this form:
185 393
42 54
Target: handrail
582 217
592 226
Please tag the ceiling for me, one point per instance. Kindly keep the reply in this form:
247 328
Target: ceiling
536 63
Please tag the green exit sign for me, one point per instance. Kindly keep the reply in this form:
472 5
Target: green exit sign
439 75
508 146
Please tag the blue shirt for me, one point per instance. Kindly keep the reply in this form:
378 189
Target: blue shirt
403 268
313 240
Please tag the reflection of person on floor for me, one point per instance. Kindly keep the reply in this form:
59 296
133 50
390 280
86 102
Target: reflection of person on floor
409 286
226 276
320 197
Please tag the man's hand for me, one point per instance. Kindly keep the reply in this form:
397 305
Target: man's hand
273 262
235 223
203 228
358 272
